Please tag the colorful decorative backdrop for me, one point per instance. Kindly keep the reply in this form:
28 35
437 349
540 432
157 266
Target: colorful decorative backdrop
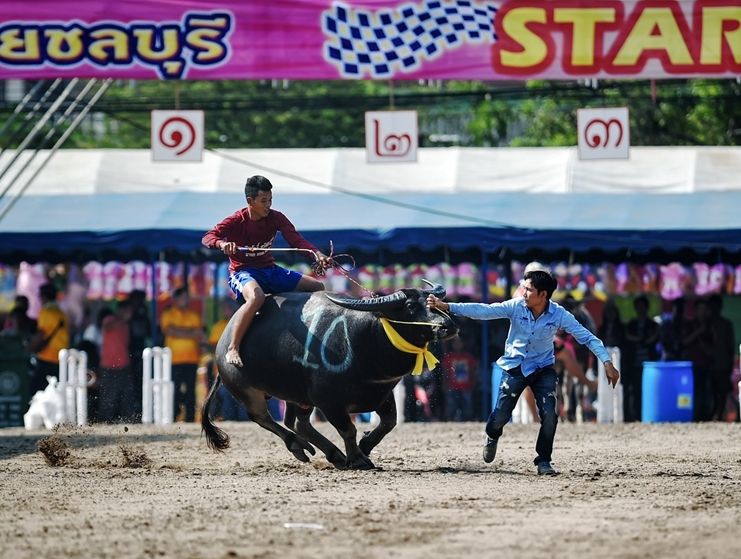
115 280
381 39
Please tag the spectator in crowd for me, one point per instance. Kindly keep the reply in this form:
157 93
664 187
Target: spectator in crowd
529 357
18 322
183 332
576 392
724 351
568 368
93 333
115 383
672 332
641 336
229 408
140 329
698 348
90 343
612 329
52 334
459 366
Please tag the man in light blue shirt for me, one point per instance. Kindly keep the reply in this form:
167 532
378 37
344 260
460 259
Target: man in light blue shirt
528 357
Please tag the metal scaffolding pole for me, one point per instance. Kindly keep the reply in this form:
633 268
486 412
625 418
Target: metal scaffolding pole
57 124
31 114
63 138
37 128
20 106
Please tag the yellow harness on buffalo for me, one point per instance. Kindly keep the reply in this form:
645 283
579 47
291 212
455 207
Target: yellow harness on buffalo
402 345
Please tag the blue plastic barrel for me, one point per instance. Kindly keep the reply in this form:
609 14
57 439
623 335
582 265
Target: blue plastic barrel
667 391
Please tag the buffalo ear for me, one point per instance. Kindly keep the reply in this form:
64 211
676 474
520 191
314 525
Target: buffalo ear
437 289
374 304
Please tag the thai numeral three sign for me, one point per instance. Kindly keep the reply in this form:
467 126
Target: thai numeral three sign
177 135
391 136
603 133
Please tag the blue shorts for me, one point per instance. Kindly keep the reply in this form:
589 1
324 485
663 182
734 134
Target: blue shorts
271 280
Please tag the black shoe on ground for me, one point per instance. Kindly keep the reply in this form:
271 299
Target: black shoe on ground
490 450
545 469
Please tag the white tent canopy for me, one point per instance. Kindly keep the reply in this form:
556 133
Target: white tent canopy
462 197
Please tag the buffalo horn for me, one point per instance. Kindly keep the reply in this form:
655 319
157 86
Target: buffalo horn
437 289
375 304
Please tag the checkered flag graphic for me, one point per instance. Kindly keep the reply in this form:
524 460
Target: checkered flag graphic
378 44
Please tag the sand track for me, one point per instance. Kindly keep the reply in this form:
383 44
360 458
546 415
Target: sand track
135 491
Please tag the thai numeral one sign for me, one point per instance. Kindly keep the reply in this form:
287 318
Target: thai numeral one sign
177 135
391 136
603 133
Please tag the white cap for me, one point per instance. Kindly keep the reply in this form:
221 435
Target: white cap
537 267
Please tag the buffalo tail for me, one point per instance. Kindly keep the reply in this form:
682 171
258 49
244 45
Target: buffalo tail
216 439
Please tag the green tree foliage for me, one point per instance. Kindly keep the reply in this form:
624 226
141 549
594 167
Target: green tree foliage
311 114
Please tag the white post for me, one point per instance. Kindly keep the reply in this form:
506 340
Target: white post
400 396
167 392
147 385
70 397
61 386
609 399
158 390
82 388
157 385
521 413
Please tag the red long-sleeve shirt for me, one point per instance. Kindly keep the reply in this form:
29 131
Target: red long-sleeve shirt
239 228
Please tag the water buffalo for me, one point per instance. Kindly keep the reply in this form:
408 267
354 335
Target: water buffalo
331 352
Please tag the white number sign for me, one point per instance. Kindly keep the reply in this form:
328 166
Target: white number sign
391 136
177 135
603 133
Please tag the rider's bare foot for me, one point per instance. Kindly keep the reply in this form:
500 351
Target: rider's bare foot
233 358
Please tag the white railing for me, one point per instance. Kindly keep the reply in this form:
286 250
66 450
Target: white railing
73 385
158 390
609 402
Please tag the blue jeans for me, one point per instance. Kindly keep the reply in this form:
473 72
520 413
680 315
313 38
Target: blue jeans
543 383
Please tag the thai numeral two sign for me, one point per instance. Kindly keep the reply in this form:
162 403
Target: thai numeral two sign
391 136
603 133
177 135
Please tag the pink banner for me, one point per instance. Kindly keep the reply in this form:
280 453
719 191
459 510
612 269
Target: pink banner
372 39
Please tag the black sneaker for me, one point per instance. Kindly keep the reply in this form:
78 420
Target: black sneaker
545 469
490 450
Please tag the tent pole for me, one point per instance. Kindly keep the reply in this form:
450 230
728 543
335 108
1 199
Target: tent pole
485 367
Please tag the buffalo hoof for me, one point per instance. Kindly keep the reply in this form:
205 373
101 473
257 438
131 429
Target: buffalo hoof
337 459
297 447
360 462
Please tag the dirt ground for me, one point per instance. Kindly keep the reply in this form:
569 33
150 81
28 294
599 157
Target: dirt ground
671 490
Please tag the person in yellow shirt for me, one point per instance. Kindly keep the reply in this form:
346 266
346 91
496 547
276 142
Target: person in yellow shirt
52 334
227 310
183 332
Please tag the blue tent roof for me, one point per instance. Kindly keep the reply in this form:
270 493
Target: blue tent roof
95 204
